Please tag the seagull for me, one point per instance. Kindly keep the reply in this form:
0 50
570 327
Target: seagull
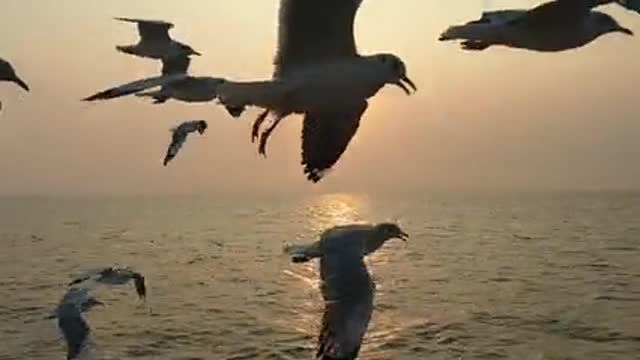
8 73
372 237
155 42
318 73
180 134
174 82
114 276
70 321
347 288
550 27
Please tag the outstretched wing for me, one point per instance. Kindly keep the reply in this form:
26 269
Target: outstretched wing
325 137
74 328
177 139
348 291
312 31
633 5
553 13
151 30
136 86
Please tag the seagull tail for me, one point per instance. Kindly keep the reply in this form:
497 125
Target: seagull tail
302 253
235 96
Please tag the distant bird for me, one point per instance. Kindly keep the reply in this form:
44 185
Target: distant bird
553 26
174 83
155 42
319 73
347 287
179 136
372 237
8 73
113 276
70 321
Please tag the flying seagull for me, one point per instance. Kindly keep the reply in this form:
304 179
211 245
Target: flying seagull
347 288
113 276
70 321
179 136
550 27
174 83
372 236
8 73
318 73
155 42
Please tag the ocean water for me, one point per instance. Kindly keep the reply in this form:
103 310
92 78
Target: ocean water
484 276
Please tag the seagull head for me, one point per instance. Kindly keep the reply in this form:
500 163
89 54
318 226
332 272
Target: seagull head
202 126
606 24
391 231
188 50
396 72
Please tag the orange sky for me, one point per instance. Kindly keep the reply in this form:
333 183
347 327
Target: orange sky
499 119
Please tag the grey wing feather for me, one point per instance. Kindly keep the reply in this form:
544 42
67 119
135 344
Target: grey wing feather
177 139
135 86
325 137
348 292
314 31
74 328
151 30
553 13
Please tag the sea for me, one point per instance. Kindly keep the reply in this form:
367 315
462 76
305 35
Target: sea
485 275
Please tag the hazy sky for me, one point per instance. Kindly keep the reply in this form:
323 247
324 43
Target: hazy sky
500 118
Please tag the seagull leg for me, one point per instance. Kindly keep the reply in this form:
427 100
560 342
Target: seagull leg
262 148
256 125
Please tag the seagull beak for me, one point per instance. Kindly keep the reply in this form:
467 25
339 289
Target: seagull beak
193 52
98 302
401 84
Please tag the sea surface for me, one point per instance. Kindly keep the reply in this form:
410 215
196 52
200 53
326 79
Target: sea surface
484 276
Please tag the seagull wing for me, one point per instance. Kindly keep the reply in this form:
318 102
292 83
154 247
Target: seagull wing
633 5
325 137
74 328
553 13
151 30
348 292
177 139
312 31
136 86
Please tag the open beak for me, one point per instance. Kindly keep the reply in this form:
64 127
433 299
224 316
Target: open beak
21 83
403 82
625 31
